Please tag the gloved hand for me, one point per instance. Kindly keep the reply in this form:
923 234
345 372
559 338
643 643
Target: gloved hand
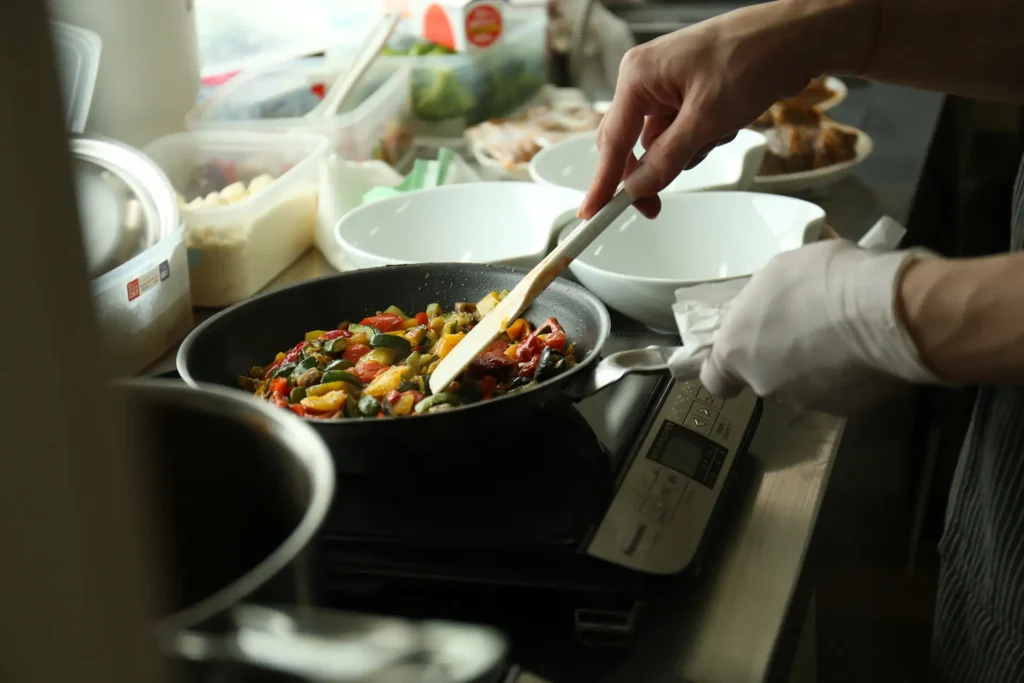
817 327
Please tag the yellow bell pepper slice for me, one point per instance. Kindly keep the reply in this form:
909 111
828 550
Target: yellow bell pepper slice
328 403
385 382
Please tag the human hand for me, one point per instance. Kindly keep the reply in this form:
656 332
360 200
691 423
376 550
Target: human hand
817 327
686 92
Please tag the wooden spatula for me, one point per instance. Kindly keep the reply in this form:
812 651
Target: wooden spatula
520 298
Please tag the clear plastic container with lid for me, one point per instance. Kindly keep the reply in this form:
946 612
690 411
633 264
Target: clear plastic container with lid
249 202
451 92
375 122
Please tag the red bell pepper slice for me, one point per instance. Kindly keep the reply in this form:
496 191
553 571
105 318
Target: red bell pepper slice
555 340
529 348
385 322
422 319
335 334
294 354
297 409
279 386
354 352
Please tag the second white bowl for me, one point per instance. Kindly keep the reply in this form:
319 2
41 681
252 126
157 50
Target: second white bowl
507 222
636 265
571 163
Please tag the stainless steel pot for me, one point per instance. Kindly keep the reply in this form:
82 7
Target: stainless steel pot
239 489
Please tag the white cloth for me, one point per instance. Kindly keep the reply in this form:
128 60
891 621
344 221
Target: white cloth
816 327
607 41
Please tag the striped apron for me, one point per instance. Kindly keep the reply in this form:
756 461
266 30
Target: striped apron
979 612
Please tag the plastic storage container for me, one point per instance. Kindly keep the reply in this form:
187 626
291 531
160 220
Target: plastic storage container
374 124
451 92
249 204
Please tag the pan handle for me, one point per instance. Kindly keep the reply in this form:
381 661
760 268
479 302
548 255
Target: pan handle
325 645
684 364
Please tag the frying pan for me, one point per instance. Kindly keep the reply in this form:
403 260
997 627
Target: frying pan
253 331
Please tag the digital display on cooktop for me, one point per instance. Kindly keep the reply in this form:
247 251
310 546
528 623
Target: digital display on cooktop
682 452
688 453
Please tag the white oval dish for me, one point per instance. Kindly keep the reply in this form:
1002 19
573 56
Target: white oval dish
839 93
818 179
636 265
571 163
509 222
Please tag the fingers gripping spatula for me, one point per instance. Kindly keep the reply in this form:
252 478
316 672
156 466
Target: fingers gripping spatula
520 298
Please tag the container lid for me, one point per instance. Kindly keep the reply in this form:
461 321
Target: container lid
78 60
125 202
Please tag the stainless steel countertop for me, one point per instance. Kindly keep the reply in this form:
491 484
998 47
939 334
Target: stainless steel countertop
727 625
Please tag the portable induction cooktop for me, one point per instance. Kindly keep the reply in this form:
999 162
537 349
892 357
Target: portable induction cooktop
601 499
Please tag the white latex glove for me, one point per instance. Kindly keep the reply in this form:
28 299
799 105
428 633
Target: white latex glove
817 328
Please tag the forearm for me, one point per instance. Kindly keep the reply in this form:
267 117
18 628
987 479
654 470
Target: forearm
967 316
966 47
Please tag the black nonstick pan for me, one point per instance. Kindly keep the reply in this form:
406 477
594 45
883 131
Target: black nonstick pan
252 332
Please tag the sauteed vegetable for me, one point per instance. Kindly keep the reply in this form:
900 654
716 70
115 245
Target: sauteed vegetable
381 366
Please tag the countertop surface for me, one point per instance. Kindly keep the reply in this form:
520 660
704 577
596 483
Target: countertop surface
727 623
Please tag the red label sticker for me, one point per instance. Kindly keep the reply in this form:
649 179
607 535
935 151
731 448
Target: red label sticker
483 25
133 290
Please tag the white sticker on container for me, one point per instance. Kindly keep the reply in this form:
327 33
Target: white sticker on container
148 280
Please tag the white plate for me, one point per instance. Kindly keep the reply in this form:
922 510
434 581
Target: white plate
818 179
496 169
572 162
510 222
636 265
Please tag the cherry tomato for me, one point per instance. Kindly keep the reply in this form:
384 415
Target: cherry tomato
366 371
354 352
422 319
529 367
385 322
489 361
487 386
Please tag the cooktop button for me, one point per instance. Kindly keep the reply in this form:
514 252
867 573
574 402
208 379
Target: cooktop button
707 397
698 423
645 479
653 509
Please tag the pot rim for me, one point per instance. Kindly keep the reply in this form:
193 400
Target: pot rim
296 437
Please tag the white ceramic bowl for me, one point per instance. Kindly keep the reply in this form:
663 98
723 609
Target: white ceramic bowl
571 163
501 222
819 179
636 265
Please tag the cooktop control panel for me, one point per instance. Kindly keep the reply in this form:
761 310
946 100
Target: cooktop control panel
660 512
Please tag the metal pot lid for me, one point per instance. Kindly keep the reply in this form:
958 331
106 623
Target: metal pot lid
125 202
